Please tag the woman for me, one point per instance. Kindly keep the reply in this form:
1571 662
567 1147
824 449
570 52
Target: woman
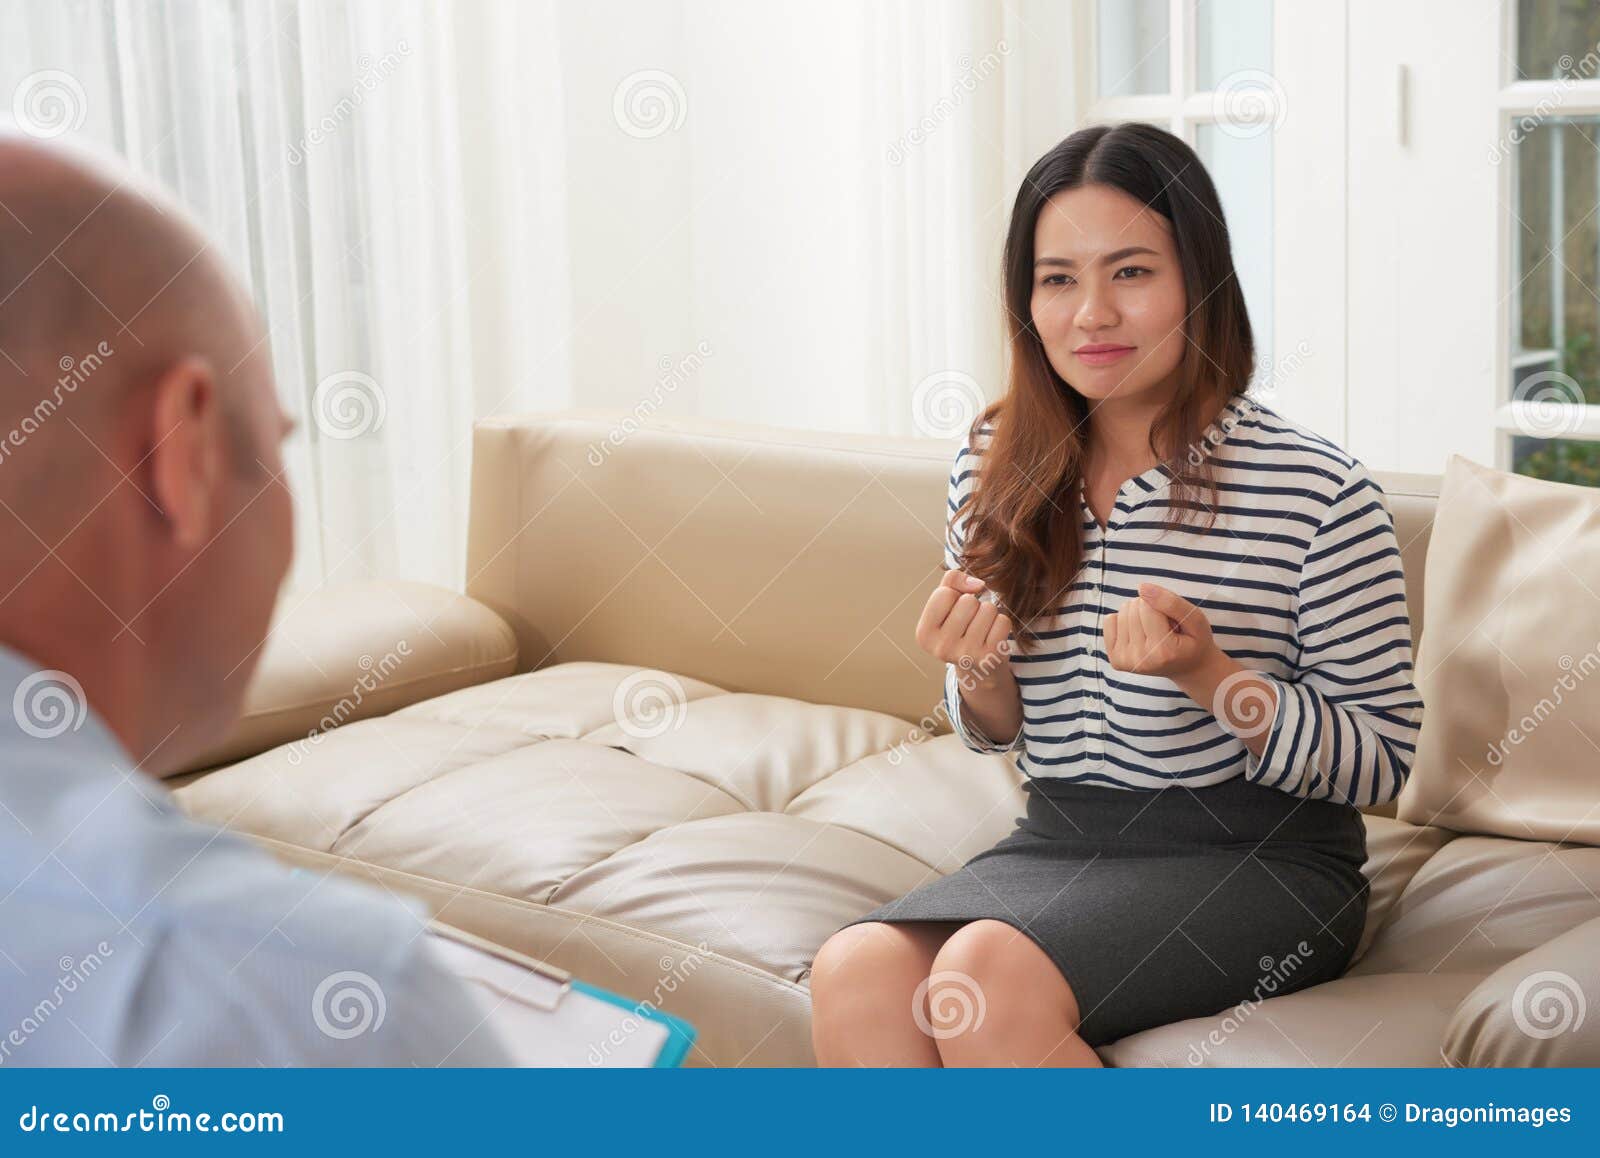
1210 669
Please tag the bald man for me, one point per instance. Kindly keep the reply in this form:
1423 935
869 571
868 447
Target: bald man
147 528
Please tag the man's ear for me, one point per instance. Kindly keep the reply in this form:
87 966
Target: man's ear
186 459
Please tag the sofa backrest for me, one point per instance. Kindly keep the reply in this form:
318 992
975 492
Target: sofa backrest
762 560
1411 499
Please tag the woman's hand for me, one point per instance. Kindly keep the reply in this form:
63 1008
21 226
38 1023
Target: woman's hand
958 627
1159 633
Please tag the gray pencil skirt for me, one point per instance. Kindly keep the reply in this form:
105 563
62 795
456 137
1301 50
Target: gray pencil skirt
1162 905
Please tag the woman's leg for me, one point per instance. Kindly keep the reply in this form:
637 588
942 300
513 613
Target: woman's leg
998 1000
866 984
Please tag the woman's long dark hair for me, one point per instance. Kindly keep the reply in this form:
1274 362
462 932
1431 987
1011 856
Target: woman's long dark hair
1024 536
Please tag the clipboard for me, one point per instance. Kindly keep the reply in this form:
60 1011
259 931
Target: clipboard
544 1016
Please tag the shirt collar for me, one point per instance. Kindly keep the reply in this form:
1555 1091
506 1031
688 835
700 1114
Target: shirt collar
49 706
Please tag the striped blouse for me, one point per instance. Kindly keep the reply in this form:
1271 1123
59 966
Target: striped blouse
1299 577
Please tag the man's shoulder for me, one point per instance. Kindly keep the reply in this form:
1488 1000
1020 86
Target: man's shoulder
122 846
231 890
231 957
179 943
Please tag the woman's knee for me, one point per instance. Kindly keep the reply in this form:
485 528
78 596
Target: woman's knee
990 969
864 965
864 991
859 953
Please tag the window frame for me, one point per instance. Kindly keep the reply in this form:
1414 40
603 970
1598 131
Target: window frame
1182 107
1533 99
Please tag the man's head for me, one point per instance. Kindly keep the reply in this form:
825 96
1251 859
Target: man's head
146 521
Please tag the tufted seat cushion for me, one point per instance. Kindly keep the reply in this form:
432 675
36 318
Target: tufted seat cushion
755 824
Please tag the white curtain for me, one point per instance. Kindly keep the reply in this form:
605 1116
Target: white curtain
779 213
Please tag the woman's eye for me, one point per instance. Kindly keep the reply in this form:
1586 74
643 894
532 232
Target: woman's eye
1055 279
1132 269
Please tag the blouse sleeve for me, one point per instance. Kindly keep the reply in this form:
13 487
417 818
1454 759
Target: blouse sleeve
962 479
1346 724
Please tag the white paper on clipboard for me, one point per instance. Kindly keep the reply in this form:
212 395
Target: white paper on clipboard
538 1016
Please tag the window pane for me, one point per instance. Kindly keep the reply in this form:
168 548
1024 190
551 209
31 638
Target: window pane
1133 46
1232 36
1239 160
1555 364
1565 460
1557 38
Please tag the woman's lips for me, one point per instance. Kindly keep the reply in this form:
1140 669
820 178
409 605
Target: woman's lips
1103 356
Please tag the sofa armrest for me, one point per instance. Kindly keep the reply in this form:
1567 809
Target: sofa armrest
357 650
1534 1010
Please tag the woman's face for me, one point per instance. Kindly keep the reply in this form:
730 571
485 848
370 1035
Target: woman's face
1108 297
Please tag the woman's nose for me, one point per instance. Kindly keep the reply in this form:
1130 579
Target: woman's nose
1095 312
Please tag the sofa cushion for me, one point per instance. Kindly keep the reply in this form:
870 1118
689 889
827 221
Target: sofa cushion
745 1015
1388 1019
1396 851
1511 729
1481 901
1533 1010
357 650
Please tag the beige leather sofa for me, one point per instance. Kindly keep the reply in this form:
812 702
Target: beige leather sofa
669 740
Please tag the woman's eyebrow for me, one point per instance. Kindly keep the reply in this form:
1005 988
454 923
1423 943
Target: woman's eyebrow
1106 260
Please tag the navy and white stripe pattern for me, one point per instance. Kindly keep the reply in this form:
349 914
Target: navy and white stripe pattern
1300 579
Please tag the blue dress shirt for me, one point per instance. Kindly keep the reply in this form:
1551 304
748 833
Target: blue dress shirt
131 935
